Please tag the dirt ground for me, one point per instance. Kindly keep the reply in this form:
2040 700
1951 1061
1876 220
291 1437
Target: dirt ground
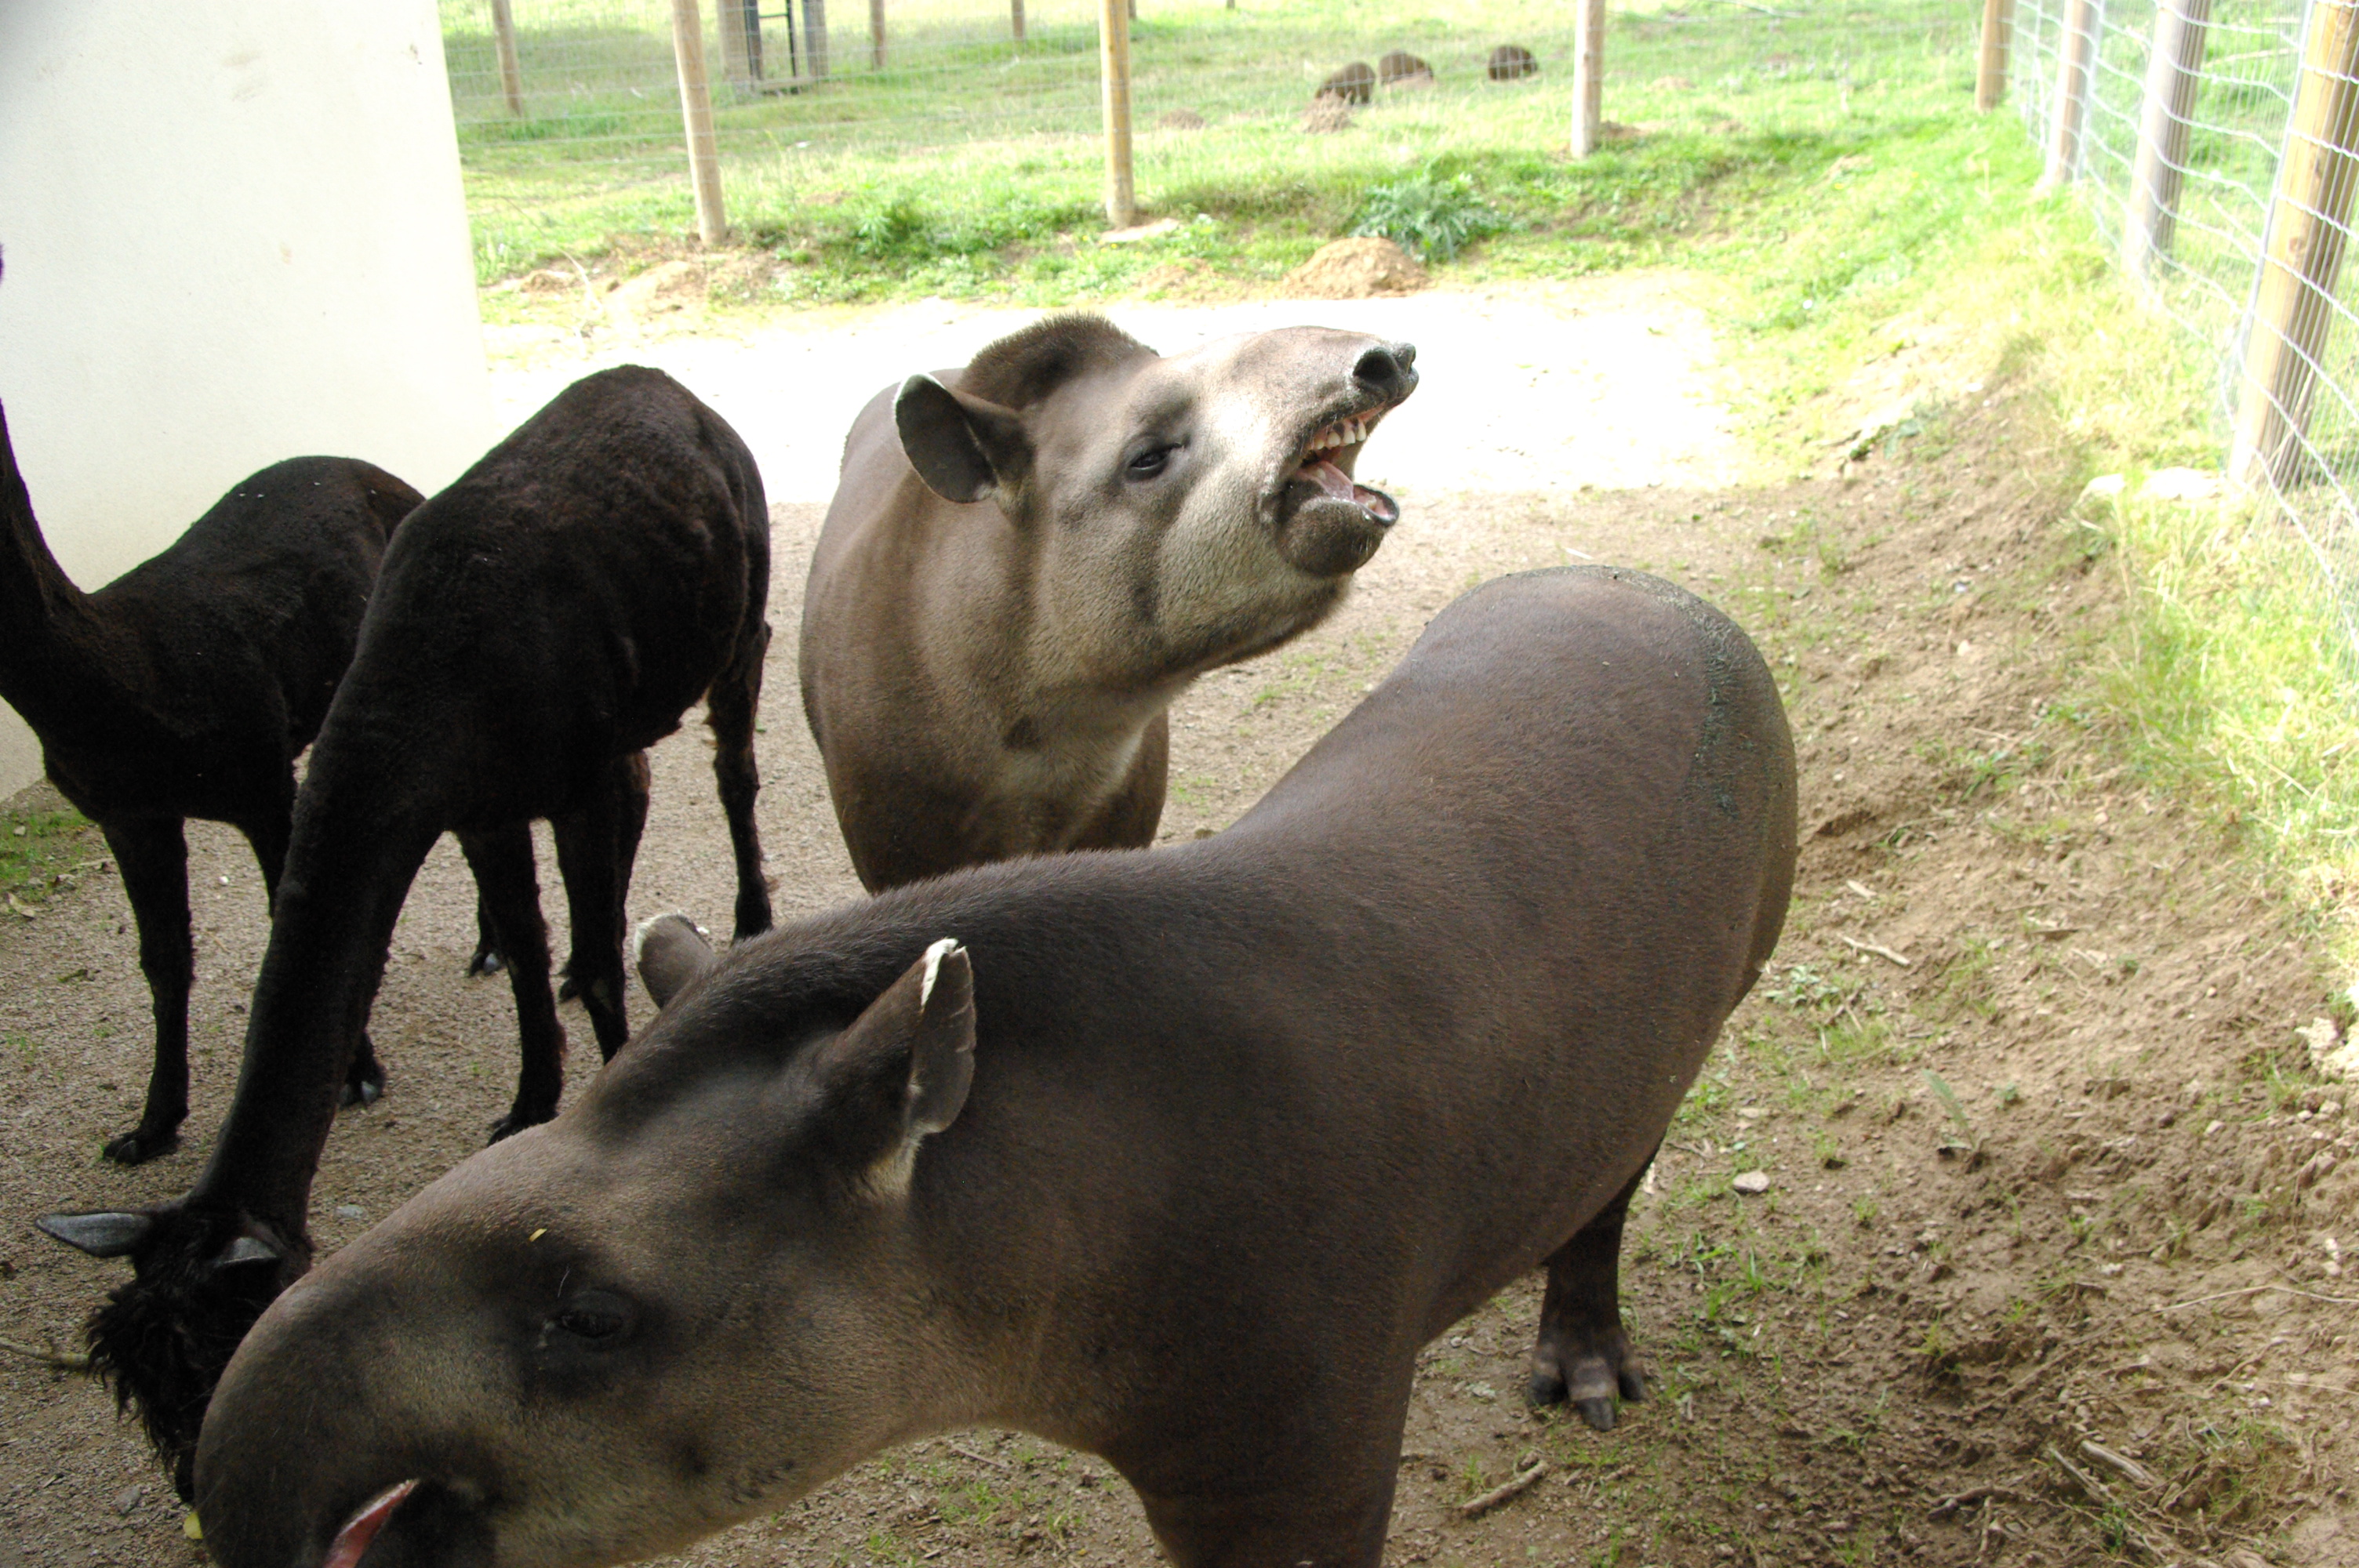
2037 1259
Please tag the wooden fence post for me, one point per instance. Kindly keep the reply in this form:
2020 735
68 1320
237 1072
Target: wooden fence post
696 110
1113 75
2172 71
876 34
2301 260
815 38
503 44
1588 74
2076 53
1998 35
737 54
1015 19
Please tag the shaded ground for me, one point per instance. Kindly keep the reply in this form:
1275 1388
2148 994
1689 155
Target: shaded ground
2043 1165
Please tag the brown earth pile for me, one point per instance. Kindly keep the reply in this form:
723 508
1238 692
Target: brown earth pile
1359 269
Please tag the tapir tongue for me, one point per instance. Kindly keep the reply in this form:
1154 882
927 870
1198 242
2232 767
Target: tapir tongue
353 1540
1338 483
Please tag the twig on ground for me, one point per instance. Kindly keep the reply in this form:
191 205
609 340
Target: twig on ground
1877 948
2255 1290
2094 1488
48 1356
1491 1499
1971 1495
2121 1462
979 1458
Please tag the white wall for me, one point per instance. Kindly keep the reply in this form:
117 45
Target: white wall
233 234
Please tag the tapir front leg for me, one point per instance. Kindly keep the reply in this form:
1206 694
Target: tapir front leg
1582 1353
1333 1519
1308 1483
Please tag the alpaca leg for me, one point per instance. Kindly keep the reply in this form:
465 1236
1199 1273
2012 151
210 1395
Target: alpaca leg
487 959
268 834
589 855
636 782
634 779
502 861
153 855
730 707
365 1078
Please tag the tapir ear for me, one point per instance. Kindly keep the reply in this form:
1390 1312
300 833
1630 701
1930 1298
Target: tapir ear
963 447
672 951
900 1072
105 1233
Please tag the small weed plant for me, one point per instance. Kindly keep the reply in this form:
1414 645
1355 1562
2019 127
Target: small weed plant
1435 217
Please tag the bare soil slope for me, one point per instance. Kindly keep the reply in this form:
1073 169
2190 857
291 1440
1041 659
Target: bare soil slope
2036 1259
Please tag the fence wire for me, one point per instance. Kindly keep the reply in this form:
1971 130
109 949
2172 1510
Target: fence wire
2209 101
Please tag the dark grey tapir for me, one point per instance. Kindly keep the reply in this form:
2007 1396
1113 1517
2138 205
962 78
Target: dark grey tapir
1176 1155
1029 558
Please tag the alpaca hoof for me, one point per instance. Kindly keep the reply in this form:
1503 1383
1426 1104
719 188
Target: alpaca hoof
568 987
517 1121
363 1088
486 961
139 1145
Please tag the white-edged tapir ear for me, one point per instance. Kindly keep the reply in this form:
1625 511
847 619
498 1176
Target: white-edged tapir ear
901 1071
104 1234
963 447
672 951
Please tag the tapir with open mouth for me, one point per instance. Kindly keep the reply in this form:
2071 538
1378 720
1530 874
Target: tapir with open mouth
1173 1155
1027 560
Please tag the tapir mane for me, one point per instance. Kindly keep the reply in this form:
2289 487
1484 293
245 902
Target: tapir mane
1023 367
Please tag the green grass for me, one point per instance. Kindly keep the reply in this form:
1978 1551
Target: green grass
42 852
973 165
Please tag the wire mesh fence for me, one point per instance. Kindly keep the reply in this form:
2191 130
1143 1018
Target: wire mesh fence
816 105
2212 141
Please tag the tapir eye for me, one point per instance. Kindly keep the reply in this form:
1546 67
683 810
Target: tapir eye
1150 460
595 1317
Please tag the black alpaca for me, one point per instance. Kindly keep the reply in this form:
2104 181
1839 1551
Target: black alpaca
186 687
535 627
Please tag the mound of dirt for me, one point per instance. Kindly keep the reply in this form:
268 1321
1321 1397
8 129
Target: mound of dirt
1327 115
1362 269
669 285
1179 120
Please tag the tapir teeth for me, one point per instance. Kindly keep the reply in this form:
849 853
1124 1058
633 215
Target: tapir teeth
1350 432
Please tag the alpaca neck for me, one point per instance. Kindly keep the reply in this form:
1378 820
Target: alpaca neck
49 630
357 845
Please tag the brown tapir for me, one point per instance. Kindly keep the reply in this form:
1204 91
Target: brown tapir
1176 1155
1027 560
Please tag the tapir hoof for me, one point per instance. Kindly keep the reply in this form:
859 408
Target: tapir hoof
1590 1391
140 1145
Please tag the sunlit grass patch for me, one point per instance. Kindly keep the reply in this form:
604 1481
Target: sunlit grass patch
42 852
